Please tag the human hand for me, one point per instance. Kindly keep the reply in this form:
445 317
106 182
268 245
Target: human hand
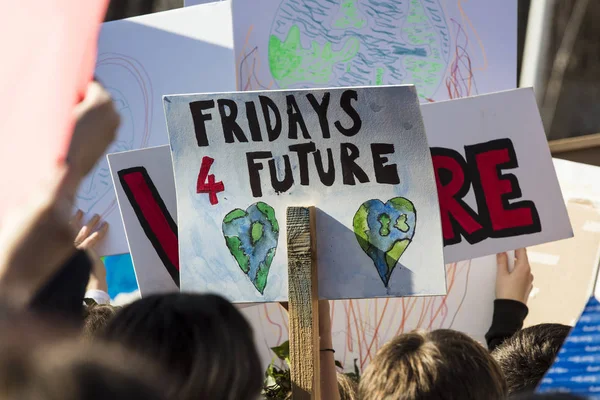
96 127
88 236
515 285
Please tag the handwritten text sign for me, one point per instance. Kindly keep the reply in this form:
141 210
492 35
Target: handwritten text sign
496 182
145 190
359 155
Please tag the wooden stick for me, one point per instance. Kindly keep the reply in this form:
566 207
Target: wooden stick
303 308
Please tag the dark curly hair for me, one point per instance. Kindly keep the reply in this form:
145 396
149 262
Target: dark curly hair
528 354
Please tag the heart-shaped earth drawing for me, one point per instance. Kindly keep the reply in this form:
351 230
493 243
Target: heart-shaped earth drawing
251 237
384 231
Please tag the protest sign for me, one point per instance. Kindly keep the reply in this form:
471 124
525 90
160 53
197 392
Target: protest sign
577 365
574 259
533 176
446 49
48 52
139 178
359 155
497 186
166 52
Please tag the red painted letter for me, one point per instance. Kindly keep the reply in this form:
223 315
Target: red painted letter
452 184
211 187
157 223
494 190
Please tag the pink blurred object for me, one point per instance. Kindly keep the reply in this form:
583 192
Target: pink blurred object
48 52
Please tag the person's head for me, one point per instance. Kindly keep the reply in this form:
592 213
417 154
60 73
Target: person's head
203 340
528 354
96 317
46 362
347 386
443 364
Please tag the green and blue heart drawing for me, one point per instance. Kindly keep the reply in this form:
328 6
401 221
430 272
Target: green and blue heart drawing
384 231
251 237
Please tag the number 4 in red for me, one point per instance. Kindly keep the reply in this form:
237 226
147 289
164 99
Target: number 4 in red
206 183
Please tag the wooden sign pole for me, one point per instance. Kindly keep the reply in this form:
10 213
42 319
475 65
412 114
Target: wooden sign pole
303 305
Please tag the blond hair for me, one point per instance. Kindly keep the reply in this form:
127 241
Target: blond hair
443 364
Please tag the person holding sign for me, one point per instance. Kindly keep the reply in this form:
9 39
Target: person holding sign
512 291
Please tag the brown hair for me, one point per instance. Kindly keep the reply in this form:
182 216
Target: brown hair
36 364
443 364
347 386
528 354
202 340
96 317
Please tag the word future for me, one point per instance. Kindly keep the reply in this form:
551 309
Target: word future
232 130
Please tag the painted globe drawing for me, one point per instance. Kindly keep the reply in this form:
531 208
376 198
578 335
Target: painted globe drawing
319 43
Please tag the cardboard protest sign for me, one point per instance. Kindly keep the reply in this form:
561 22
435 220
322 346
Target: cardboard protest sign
168 52
576 369
497 186
359 155
447 49
140 178
575 259
48 52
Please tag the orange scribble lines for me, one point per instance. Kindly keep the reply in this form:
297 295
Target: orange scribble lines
450 274
376 331
466 18
358 331
246 72
460 79
406 314
273 323
462 300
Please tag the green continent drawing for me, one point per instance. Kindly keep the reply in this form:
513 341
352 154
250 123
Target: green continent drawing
251 237
384 231
290 63
359 43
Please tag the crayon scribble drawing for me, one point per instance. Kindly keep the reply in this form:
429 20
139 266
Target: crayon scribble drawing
361 327
384 231
429 43
251 237
131 89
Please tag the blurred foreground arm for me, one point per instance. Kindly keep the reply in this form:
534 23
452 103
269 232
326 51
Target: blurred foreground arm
36 241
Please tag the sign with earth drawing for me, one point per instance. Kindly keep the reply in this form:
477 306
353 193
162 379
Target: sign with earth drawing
446 48
359 155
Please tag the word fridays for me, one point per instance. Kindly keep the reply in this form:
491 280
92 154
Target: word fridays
273 122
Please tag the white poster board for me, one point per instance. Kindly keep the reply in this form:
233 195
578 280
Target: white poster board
448 49
358 155
141 179
497 186
139 60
